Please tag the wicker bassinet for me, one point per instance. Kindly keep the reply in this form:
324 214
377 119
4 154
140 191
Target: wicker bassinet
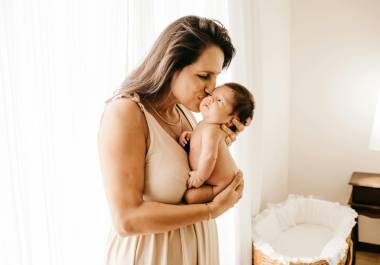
297 211
258 258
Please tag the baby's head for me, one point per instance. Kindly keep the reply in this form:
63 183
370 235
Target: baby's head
228 101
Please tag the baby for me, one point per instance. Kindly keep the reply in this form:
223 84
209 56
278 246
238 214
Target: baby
210 159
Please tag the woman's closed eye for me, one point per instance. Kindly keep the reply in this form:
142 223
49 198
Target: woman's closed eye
204 77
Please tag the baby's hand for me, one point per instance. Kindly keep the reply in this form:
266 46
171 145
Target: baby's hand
184 138
195 180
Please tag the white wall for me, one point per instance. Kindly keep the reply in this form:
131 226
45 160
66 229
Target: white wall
335 79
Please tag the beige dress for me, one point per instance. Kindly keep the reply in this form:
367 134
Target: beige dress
166 173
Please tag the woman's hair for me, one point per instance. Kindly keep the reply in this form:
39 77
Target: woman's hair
179 45
244 103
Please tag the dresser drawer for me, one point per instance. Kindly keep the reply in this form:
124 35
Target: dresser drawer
366 195
365 188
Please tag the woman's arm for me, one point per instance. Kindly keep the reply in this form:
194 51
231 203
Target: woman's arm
122 147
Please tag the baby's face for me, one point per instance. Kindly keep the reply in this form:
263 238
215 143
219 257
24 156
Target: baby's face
218 107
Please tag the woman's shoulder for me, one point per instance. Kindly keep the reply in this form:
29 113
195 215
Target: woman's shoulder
124 111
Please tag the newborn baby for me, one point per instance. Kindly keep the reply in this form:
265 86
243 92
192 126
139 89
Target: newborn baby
210 159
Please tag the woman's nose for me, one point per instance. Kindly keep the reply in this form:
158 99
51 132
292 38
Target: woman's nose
209 91
210 87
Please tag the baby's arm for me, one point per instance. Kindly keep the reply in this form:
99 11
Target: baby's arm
203 194
211 136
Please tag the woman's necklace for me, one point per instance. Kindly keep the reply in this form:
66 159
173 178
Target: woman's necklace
177 124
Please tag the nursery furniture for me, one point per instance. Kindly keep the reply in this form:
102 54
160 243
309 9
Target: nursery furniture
303 230
365 199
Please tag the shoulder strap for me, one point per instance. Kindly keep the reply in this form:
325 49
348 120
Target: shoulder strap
189 116
134 97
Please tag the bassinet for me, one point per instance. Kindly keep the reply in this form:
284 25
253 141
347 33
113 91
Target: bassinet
303 231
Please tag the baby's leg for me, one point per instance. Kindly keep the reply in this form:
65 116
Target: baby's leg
202 194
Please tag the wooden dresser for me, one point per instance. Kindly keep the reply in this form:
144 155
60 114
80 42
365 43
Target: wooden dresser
365 199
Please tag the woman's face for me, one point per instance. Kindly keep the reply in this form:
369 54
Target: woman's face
195 81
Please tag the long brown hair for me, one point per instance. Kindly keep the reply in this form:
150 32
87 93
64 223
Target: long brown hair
179 45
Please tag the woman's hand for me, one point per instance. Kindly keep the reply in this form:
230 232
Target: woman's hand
228 197
231 135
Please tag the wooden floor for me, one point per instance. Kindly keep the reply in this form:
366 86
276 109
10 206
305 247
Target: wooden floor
367 258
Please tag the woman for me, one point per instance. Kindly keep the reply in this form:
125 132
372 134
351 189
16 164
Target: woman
144 169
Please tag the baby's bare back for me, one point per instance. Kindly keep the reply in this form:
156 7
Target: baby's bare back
225 166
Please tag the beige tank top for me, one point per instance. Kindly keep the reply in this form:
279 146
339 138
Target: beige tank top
166 162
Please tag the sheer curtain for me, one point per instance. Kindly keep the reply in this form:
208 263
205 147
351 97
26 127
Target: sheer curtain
246 68
59 61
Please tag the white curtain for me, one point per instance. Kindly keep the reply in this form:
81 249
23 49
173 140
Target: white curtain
244 26
59 61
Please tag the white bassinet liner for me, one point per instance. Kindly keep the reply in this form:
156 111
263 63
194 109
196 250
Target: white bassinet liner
291 219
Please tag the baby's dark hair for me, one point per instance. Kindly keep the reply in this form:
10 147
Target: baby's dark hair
244 103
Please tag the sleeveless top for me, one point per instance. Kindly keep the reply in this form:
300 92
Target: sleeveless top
166 173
